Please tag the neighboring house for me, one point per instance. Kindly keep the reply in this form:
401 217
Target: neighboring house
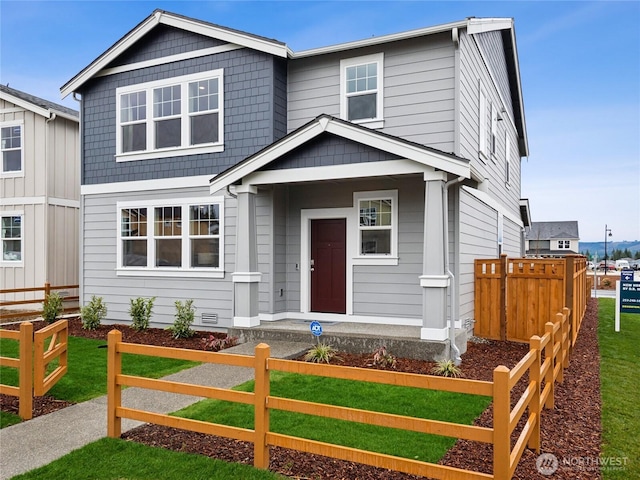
39 192
356 182
552 239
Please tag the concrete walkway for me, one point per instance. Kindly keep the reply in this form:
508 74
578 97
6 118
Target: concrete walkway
39 441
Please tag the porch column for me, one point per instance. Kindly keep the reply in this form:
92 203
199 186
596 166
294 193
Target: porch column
434 281
246 277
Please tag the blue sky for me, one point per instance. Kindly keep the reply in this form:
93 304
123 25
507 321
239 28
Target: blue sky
579 62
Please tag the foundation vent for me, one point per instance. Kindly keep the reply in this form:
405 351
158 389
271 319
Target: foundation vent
209 318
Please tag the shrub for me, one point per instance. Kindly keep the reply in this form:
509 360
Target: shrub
446 368
383 358
93 313
606 282
321 353
51 307
140 312
185 314
215 344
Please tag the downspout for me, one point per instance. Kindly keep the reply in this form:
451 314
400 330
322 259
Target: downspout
46 195
453 303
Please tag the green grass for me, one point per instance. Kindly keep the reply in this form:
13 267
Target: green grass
86 376
7 419
414 402
110 459
619 368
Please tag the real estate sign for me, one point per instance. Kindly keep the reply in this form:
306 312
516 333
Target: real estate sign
627 296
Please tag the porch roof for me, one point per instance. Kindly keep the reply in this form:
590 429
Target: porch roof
416 157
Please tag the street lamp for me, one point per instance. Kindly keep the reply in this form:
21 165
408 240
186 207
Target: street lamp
606 230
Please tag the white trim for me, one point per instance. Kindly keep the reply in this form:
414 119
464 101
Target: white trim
336 317
377 259
246 277
246 322
246 189
378 59
169 59
13 263
485 198
43 112
64 202
330 172
146 185
170 153
435 334
481 25
22 201
306 215
175 273
434 281
14 173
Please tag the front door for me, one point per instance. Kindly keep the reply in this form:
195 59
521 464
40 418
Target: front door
329 265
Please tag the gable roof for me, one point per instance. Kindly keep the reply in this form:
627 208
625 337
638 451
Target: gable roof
38 105
416 152
553 230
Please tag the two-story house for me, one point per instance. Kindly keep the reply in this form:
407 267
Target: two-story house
39 192
552 239
355 182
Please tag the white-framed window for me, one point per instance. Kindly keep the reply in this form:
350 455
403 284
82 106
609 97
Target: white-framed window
482 124
507 159
377 223
11 148
564 244
177 116
11 236
493 138
177 237
362 90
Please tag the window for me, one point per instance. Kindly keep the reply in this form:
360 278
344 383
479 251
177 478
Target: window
494 129
507 159
377 214
482 125
563 244
361 84
174 236
178 116
11 235
11 147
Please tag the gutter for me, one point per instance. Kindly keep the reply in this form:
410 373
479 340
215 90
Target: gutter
454 351
52 117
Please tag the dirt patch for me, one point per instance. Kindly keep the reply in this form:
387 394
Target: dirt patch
572 430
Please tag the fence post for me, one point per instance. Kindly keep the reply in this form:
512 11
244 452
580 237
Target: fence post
503 297
25 407
549 378
114 390
47 289
562 353
534 405
501 414
569 268
262 390
569 319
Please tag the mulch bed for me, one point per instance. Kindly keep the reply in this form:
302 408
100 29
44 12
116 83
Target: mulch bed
570 431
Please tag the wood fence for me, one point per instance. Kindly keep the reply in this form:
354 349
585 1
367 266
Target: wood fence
538 394
46 289
34 360
514 296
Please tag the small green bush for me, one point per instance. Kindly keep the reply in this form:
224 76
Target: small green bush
446 368
93 313
51 307
185 313
321 353
140 312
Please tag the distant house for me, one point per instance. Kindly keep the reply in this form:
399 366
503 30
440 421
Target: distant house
355 182
39 191
552 239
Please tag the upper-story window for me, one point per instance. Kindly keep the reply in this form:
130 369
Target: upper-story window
361 85
11 146
507 159
177 116
483 149
11 236
562 244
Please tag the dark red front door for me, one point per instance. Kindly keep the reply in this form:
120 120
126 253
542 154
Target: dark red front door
329 265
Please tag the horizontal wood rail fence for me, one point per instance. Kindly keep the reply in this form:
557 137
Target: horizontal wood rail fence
33 361
514 296
539 394
46 289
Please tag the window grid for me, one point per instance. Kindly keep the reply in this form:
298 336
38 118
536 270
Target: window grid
11 147
11 236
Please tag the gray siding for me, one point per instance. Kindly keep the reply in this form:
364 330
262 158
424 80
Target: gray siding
99 276
418 89
254 95
478 238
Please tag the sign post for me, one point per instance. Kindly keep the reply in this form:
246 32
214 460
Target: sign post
627 296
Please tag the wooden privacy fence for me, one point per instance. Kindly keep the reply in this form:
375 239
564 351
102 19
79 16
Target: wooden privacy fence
514 296
46 289
538 394
34 360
